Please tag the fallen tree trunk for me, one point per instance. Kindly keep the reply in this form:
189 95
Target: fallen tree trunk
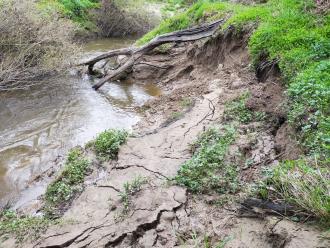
186 35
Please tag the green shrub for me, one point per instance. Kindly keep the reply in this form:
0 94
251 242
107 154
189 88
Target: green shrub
107 143
207 170
70 180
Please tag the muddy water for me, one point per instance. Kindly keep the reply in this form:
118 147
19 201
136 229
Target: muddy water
38 126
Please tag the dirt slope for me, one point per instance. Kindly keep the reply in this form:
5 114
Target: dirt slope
164 215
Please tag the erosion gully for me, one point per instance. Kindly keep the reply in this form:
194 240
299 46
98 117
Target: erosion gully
38 126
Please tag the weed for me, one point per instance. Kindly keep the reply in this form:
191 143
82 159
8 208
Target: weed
207 169
186 102
70 179
236 110
301 183
175 116
21 227
222 243
107 143
130 189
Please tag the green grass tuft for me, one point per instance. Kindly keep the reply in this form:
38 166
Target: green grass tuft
236 110
130 189
302 183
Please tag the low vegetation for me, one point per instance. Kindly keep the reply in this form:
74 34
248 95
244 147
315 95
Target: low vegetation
301 183
236 110
130 189
107 143
288 32
208 169
295 36
69 181
21 227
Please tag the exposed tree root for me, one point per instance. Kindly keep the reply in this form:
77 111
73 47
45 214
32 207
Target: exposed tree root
135 54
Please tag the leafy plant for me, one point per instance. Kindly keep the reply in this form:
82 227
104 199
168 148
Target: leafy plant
70 179
22 227
107 143
207 169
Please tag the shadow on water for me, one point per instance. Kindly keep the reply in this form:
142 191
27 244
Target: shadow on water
39 126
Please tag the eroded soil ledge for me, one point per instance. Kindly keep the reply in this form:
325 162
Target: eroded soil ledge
209 73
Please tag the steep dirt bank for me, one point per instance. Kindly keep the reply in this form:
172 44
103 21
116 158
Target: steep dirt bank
203 77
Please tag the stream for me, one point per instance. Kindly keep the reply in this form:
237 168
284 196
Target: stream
38 126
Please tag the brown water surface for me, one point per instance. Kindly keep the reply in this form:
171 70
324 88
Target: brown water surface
38 126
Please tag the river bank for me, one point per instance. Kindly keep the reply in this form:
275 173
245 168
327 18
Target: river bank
216 159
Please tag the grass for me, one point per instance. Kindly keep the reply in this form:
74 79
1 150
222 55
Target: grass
236 110
130 189
207 170
107 143
301 183
198 240
186 102
175 116
297 37
70 179
21 227
287 31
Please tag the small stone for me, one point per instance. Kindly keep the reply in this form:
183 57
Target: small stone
236 84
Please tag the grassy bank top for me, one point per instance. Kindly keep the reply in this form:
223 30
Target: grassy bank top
294 34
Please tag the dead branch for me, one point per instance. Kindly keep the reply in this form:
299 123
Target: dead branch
186 35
